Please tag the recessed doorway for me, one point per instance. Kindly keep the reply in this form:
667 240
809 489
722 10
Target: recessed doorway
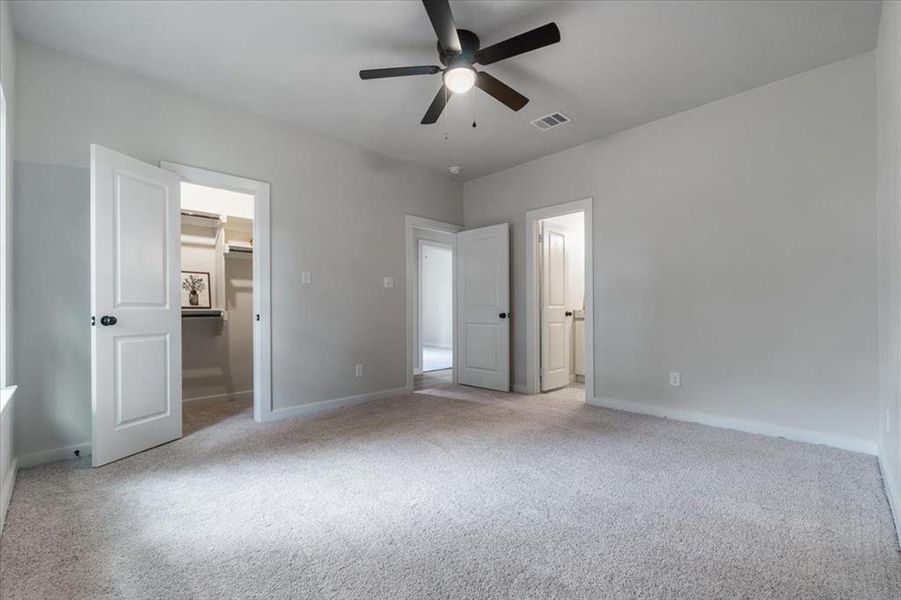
217 300
559 311
226 338
431 337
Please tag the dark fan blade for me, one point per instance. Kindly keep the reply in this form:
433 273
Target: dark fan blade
398 72
434 111
520 44
443 21
500 91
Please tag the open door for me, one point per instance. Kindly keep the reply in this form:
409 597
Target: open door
554 327
483 307
135 303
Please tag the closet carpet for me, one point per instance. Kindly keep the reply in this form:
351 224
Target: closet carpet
455 493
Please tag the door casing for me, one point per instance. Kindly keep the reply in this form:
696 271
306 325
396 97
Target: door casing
412 223
263 410
533 304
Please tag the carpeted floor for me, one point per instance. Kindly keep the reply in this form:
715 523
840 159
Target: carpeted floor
455 493
433 379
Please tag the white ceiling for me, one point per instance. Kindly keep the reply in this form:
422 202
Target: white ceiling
620 64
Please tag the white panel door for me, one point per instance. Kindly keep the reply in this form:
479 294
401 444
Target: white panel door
555 354
135 303
483 307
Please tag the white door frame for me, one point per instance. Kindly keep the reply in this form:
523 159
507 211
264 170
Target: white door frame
412 288
533 305
262 286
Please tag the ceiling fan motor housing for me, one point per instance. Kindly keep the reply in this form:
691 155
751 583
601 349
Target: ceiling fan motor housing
470 44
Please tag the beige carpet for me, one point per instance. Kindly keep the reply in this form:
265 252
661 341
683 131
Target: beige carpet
455 493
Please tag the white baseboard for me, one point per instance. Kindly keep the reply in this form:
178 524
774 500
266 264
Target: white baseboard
893 493
217 398
6 491
53 455
56 454
325 405
748 426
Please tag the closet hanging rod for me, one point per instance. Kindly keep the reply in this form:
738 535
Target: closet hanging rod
201 215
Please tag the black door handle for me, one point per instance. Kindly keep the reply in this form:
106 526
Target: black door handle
107 320
568 313
503 315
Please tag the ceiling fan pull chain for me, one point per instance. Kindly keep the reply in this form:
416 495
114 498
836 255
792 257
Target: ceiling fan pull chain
473 92
445 113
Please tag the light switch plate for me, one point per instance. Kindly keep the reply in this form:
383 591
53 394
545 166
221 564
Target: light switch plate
388 282
675 379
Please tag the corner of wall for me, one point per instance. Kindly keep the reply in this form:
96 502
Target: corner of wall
888 190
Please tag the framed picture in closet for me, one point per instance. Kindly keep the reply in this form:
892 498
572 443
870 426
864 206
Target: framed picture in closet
195 289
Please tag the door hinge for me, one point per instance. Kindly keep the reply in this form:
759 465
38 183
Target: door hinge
93 321
258 317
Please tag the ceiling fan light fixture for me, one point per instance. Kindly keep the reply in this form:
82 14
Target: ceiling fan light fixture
460 80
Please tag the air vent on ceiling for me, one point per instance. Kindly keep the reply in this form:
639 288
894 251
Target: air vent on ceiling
550 121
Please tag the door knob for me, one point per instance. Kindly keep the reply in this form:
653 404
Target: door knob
107 320
568 313
503 315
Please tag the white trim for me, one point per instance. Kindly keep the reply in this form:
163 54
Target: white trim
891 492
410 224
54 455
6 491
533 314
217 398
7 424
327 405
6 394
6 249
262 286
746 425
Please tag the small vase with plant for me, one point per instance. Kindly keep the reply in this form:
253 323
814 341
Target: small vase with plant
193 284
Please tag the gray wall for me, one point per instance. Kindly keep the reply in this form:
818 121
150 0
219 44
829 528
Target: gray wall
888 82
336 211
8 80
734 242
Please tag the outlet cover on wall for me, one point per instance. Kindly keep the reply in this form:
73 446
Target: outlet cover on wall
388 282
675 379
359 370
306 277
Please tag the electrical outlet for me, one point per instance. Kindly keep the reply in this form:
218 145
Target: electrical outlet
675 379
359 370
306 277
388 282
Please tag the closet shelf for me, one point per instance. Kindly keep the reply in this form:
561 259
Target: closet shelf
238 248
193 313
201 219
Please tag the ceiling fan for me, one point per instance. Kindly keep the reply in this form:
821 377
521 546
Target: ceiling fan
458 51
